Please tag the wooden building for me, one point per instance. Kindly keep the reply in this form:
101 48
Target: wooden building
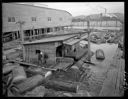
55 47
34 20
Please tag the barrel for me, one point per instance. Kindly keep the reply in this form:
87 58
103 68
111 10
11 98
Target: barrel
18 74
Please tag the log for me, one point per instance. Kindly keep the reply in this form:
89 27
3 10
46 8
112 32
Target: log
53 93
36 71
8 69
18 74
27 84
36 92
34 81
60 85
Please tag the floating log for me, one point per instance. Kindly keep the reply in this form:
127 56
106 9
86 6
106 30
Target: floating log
32 82
36 92
27 84
60 85
53 93
8 68
36 71
18 74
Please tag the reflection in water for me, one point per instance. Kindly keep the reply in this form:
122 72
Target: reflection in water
109 51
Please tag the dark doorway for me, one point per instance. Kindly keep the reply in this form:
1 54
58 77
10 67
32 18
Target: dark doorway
59 51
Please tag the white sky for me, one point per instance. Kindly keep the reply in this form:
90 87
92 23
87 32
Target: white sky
86 8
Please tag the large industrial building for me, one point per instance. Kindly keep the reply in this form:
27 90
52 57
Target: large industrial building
33 20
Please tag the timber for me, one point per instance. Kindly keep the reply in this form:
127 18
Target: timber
27 84
37 80
25 64
60 85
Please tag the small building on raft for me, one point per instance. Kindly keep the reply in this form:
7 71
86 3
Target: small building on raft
55 47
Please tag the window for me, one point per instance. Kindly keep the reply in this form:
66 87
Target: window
33 18
48 30
49 18
43 30
38 51
11 19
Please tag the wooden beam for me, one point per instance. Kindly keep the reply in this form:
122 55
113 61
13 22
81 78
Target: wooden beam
29 64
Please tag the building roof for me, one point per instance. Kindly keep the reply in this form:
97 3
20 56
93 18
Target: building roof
41 7
75 40
72 42
51 39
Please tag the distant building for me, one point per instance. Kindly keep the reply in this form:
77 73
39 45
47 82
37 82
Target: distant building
37 20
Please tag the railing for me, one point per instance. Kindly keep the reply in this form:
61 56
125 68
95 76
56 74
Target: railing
37 37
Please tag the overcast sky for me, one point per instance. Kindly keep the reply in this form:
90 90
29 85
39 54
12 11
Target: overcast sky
86 8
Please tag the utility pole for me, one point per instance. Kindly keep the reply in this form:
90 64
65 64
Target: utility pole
21 23
89 51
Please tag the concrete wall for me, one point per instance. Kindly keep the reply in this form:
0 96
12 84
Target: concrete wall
25 12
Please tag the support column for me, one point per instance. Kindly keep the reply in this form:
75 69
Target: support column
16 34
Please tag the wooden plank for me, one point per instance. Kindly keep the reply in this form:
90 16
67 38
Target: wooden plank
109 86
120 77
29 64
60 85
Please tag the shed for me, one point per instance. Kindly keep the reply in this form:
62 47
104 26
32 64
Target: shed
74 48
51 46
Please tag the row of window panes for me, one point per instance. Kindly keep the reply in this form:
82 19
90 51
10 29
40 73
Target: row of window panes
12 19
42 31
30 32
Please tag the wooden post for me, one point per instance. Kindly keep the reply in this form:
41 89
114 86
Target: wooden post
22 36
88 26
